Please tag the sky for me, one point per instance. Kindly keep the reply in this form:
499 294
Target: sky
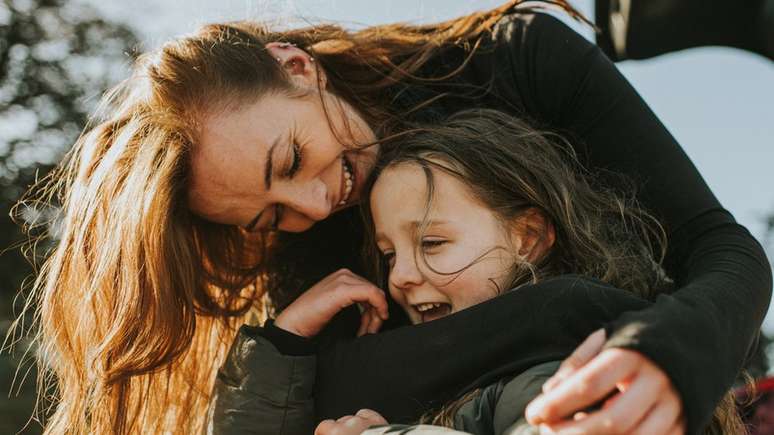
717 102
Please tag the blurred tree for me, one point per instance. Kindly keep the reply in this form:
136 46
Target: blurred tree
56 59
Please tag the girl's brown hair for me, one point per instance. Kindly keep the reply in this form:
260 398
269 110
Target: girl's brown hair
137 303
512 168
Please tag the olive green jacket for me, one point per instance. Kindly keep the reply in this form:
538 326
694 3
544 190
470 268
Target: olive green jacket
261 391
498 410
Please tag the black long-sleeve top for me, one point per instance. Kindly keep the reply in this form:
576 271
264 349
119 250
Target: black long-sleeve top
538 68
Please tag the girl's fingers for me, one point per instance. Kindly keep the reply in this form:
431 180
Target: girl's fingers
582 354
324 427
365 320
585 387
345 418
372 416
367 294
375 324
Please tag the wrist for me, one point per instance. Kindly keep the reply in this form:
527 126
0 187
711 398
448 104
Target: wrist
286 323
286 342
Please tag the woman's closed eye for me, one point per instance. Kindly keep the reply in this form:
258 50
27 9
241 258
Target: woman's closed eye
295 162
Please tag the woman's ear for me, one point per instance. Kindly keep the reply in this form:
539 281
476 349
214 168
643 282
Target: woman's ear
533 234
301 67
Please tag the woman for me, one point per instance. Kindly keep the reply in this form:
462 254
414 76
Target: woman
236 130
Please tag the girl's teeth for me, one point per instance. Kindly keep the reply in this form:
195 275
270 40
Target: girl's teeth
428 306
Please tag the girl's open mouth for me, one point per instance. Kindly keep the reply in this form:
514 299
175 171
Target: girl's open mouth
432 311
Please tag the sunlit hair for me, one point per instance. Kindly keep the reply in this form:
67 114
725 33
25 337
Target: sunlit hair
511 168
137 303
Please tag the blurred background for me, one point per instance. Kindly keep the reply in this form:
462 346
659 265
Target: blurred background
57 57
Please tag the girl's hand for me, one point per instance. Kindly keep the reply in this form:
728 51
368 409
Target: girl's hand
350 424
642 398
309 314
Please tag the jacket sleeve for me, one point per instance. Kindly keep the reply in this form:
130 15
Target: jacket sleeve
722 276
419 429
261 391
518 392
500 415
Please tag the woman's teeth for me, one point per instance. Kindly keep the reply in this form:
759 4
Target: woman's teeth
349 180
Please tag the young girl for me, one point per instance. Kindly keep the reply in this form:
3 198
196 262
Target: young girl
481 208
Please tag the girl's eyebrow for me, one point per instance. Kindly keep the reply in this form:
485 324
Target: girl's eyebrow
412 225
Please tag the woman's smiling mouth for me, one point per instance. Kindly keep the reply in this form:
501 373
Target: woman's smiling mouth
347 180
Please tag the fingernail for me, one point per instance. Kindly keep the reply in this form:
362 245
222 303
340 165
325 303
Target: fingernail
550 384
533 411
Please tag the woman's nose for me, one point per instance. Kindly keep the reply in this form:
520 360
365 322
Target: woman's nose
405 273
305 206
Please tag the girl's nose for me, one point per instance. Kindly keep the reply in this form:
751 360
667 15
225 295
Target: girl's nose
405 273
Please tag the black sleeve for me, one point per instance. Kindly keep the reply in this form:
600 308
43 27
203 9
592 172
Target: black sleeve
286 342
723 277
404 372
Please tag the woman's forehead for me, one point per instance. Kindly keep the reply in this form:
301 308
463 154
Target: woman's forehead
228 160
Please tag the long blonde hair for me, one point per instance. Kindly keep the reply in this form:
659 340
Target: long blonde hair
137 303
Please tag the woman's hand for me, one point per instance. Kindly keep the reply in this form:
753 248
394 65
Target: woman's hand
350 424
639 397
309 314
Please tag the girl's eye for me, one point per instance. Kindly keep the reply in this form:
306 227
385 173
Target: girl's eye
295 164
432 243
389 258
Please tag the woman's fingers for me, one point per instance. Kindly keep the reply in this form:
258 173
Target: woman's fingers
621 416
664 418
582 354
583 388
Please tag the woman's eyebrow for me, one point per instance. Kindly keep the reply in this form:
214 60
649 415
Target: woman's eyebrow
268 172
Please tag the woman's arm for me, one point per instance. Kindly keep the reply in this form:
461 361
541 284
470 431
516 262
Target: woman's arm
497 409
404 372
723 278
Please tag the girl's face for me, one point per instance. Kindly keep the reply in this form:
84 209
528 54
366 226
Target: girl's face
462 235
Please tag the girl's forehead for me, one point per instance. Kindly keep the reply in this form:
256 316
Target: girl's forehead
401 191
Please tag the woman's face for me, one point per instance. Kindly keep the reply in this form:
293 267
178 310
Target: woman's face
460 235
278 163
